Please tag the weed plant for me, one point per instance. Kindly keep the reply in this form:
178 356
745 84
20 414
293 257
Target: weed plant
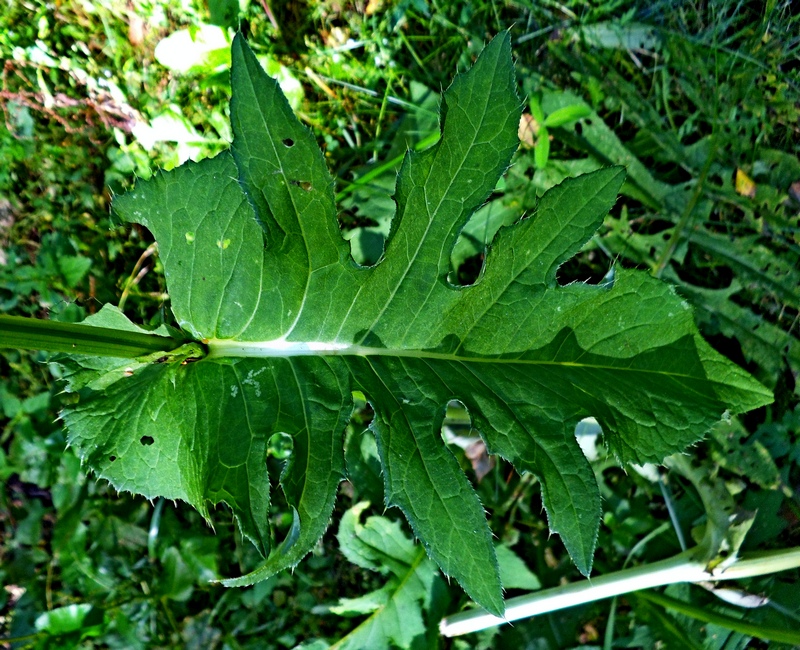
700 101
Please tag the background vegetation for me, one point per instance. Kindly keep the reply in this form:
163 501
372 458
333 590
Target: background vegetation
701 101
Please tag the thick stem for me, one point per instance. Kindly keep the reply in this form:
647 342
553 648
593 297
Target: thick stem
53 336
684 567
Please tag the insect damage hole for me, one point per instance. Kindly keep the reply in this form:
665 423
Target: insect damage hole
288 142
280 446
588 434
146 441
362 460
303 185
457 430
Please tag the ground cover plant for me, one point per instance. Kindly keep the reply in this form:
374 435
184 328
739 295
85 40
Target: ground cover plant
178 572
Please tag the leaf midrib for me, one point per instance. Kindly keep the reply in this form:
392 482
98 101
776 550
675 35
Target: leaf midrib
282 349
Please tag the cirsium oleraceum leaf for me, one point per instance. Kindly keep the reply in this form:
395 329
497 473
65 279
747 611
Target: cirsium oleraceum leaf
258 271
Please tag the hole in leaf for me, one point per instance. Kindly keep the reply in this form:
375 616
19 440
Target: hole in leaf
457 422
468 272
288 142
362 460
112 458
147 440
280 446
303 185
587 433
578 128
457 430
363 413
363 465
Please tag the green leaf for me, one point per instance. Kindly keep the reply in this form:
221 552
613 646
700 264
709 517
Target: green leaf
567 114
176 581
396 608
762 341
78 617
200 49
542 151
514 573
631 36
121 338
73 268
739 452
258 271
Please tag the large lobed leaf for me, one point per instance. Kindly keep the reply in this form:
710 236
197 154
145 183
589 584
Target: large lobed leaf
258 271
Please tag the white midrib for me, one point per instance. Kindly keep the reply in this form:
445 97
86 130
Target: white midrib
281 348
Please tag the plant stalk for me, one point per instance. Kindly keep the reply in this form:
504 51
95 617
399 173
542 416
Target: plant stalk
684 567
54 336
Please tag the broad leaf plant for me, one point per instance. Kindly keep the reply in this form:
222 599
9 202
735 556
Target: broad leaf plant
283 327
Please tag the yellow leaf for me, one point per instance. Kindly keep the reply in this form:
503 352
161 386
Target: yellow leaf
744 184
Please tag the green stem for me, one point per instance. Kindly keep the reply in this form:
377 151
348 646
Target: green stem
53 336
18 639
684 567
683 222
737 625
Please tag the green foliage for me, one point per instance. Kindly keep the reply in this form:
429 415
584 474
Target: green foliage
659 81
277 297
395 610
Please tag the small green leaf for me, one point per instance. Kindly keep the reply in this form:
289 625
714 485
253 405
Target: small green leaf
614 35
73 268
567 114
535 104
78 617
396 608
203 49
541 152
176 582
514 573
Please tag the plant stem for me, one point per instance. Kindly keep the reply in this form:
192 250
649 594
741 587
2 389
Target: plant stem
684 567
683 222
53 336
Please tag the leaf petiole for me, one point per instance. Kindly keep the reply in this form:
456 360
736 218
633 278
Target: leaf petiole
53 336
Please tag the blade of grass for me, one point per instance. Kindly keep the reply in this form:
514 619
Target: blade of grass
432 139
679 636
708 616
